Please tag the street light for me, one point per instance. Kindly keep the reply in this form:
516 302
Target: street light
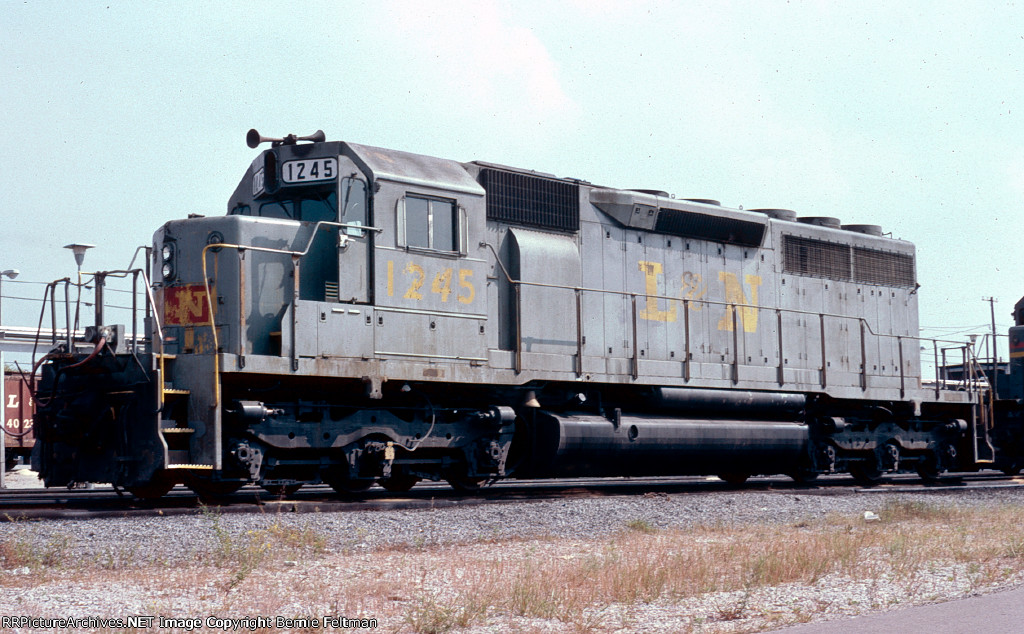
79 251
10 273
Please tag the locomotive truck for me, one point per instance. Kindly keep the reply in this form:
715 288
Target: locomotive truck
363 315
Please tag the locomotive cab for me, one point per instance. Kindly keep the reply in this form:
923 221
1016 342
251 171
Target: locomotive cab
315 287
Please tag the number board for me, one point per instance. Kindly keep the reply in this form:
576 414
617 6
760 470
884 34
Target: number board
258 183
309 170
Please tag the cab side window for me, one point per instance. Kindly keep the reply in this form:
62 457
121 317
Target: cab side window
353 205
429 223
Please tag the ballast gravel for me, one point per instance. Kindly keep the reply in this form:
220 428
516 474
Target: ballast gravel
170 539
171 545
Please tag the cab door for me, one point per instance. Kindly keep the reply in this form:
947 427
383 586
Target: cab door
355 246
431 300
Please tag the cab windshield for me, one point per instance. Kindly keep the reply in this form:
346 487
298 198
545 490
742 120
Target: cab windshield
311 208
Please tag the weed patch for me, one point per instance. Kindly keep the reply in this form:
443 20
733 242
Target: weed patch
705 578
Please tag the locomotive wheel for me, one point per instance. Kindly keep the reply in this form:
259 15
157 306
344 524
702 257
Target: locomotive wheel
398 483
465 484
159 486
865 475
928 469
350 487
281 490
803 476
734 478
210 490
151 491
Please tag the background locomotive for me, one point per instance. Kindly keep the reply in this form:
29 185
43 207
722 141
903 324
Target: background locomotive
366 315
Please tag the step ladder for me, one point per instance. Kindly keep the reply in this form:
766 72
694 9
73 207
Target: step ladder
982 412
176 432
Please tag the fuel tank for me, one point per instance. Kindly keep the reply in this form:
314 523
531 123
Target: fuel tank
574 445
728 403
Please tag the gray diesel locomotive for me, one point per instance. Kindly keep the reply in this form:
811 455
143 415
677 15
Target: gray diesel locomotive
364 315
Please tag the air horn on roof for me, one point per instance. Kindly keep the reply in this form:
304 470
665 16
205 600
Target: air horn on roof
254 138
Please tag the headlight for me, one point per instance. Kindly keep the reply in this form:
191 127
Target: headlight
167 252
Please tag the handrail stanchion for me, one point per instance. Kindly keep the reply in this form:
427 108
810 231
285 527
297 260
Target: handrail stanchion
782 360
903 378
824 357
67 313
863 357
636 342
735 346
579 332
53 312
519 327
686 328
135 309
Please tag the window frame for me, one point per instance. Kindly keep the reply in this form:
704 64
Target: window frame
457 218
344 205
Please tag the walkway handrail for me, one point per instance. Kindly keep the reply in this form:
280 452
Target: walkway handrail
865 326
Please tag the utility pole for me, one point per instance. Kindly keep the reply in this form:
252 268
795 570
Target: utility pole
992 307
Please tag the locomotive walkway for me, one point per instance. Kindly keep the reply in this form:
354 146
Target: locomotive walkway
30 339
1001 612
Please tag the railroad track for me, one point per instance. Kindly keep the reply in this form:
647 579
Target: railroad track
104 501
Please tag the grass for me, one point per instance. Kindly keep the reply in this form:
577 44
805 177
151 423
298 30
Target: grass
707 578
249 551
18 553
640 526
571 582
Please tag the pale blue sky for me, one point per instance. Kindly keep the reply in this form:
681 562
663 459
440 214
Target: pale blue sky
118 116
